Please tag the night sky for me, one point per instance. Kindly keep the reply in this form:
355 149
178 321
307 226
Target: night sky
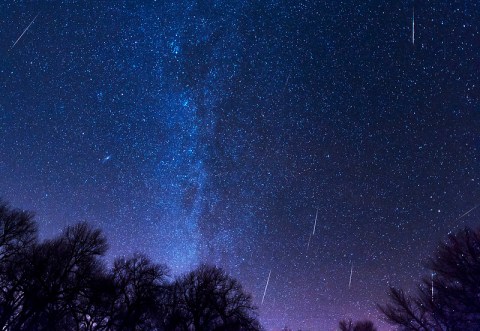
213 131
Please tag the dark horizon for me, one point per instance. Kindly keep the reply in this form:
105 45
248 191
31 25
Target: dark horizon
225 132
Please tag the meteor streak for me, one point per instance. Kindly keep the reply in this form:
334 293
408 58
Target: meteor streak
432 285
468 212
286 83
314 226
413 27
16 41
351 273
266 286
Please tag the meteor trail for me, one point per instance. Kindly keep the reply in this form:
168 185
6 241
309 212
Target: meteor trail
266 286
286 83
16 41
468 212
432 285
351 273
314 226
413 27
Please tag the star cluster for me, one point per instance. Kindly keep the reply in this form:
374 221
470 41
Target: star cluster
213 131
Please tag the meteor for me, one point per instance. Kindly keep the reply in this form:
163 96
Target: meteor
351 273
468 212
314 226
433 274
266 286
286 83
16 41
413 27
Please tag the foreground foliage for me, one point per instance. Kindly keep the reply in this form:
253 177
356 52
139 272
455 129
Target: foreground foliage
449 299
63 284
357 326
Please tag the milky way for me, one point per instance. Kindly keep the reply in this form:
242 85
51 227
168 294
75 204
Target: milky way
213 131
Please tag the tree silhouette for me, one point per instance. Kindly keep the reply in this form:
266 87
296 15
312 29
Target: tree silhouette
348 325
18 234
208 299
447 300
64 284
61 273
18 231
140 294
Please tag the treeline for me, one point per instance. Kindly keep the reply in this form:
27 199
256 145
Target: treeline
64 284
447 299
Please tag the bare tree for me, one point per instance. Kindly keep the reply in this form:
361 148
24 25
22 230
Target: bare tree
348 325
18 231
140 293
208 299
18 235
58 277
448 299
63 284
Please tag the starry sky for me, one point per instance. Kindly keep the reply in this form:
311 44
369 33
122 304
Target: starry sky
213 131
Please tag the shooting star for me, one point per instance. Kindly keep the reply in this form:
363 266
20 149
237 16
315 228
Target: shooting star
350 281
266 286
314 226
26 29
468 212
413 27
433 274
286 83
